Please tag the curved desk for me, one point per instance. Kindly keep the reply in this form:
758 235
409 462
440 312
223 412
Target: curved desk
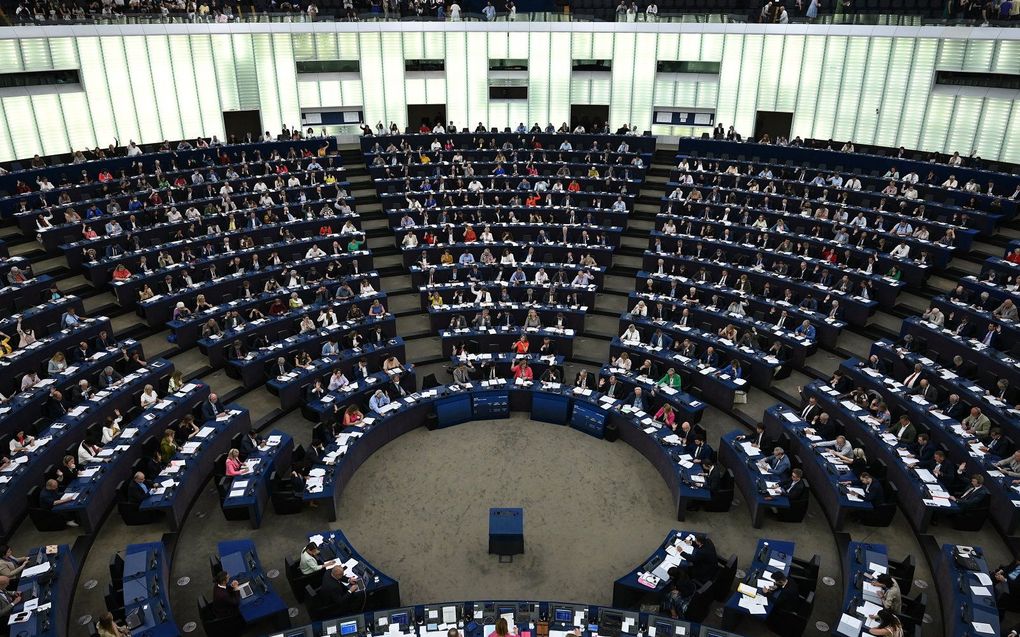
822 470
180 482
48 579
455 404
649 580
381 591
478 618
264 606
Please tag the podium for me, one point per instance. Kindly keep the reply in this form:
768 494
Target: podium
550 408
506 532
453 410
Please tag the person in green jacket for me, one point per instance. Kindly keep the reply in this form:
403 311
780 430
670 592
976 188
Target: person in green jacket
671 379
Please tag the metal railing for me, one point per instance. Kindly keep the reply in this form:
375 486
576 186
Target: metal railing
863 19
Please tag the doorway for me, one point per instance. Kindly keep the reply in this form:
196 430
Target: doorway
775 123
588 115
430 114
237 124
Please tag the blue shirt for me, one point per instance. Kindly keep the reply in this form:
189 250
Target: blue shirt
378 401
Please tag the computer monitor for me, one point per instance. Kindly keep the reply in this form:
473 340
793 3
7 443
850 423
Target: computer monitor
506 610
349 628
304 631
564 615
399 618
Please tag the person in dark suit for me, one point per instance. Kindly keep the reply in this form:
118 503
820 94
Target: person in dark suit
704 560
927 391
840 382
636 399
961 367
954 408
103 341
923 450
713 475
877 364
109 378
873 491
794 487
610 387
975 497
998 445
137 489
226 597
151 465
211 407
279 368
583 379
758 439
336 588
701 451
55 406
236 351
710 358
942 469
250 443
81 353
809 409
783 595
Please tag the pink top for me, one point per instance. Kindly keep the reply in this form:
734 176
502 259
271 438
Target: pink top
670 417
233 467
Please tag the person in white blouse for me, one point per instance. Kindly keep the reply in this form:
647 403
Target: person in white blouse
507 258
541 276
486 235
901 251
112 427
307 324
640 309
86 451
314 252
366 287
337 380
623 361
149 397
29 380
328 318
631 335
482 295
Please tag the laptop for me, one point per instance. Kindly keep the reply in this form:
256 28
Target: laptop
245 590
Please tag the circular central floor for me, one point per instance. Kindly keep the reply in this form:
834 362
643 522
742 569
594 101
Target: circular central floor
418 511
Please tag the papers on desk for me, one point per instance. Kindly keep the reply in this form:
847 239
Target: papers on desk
38 569
791 417
983 628
983 578
868 608
925 476
88 472
190 447
750 450
236 493
980 591
753 605
849 626
204 432
777 564
273 441
77 411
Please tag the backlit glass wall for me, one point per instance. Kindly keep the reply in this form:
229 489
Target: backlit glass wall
147 83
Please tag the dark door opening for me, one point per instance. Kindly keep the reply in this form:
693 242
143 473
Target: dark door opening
238 124
773 123
428 114
588 115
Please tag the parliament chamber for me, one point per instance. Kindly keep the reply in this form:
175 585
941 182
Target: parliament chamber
429 369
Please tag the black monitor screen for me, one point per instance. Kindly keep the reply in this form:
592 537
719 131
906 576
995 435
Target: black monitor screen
506 610
611 620
564 615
